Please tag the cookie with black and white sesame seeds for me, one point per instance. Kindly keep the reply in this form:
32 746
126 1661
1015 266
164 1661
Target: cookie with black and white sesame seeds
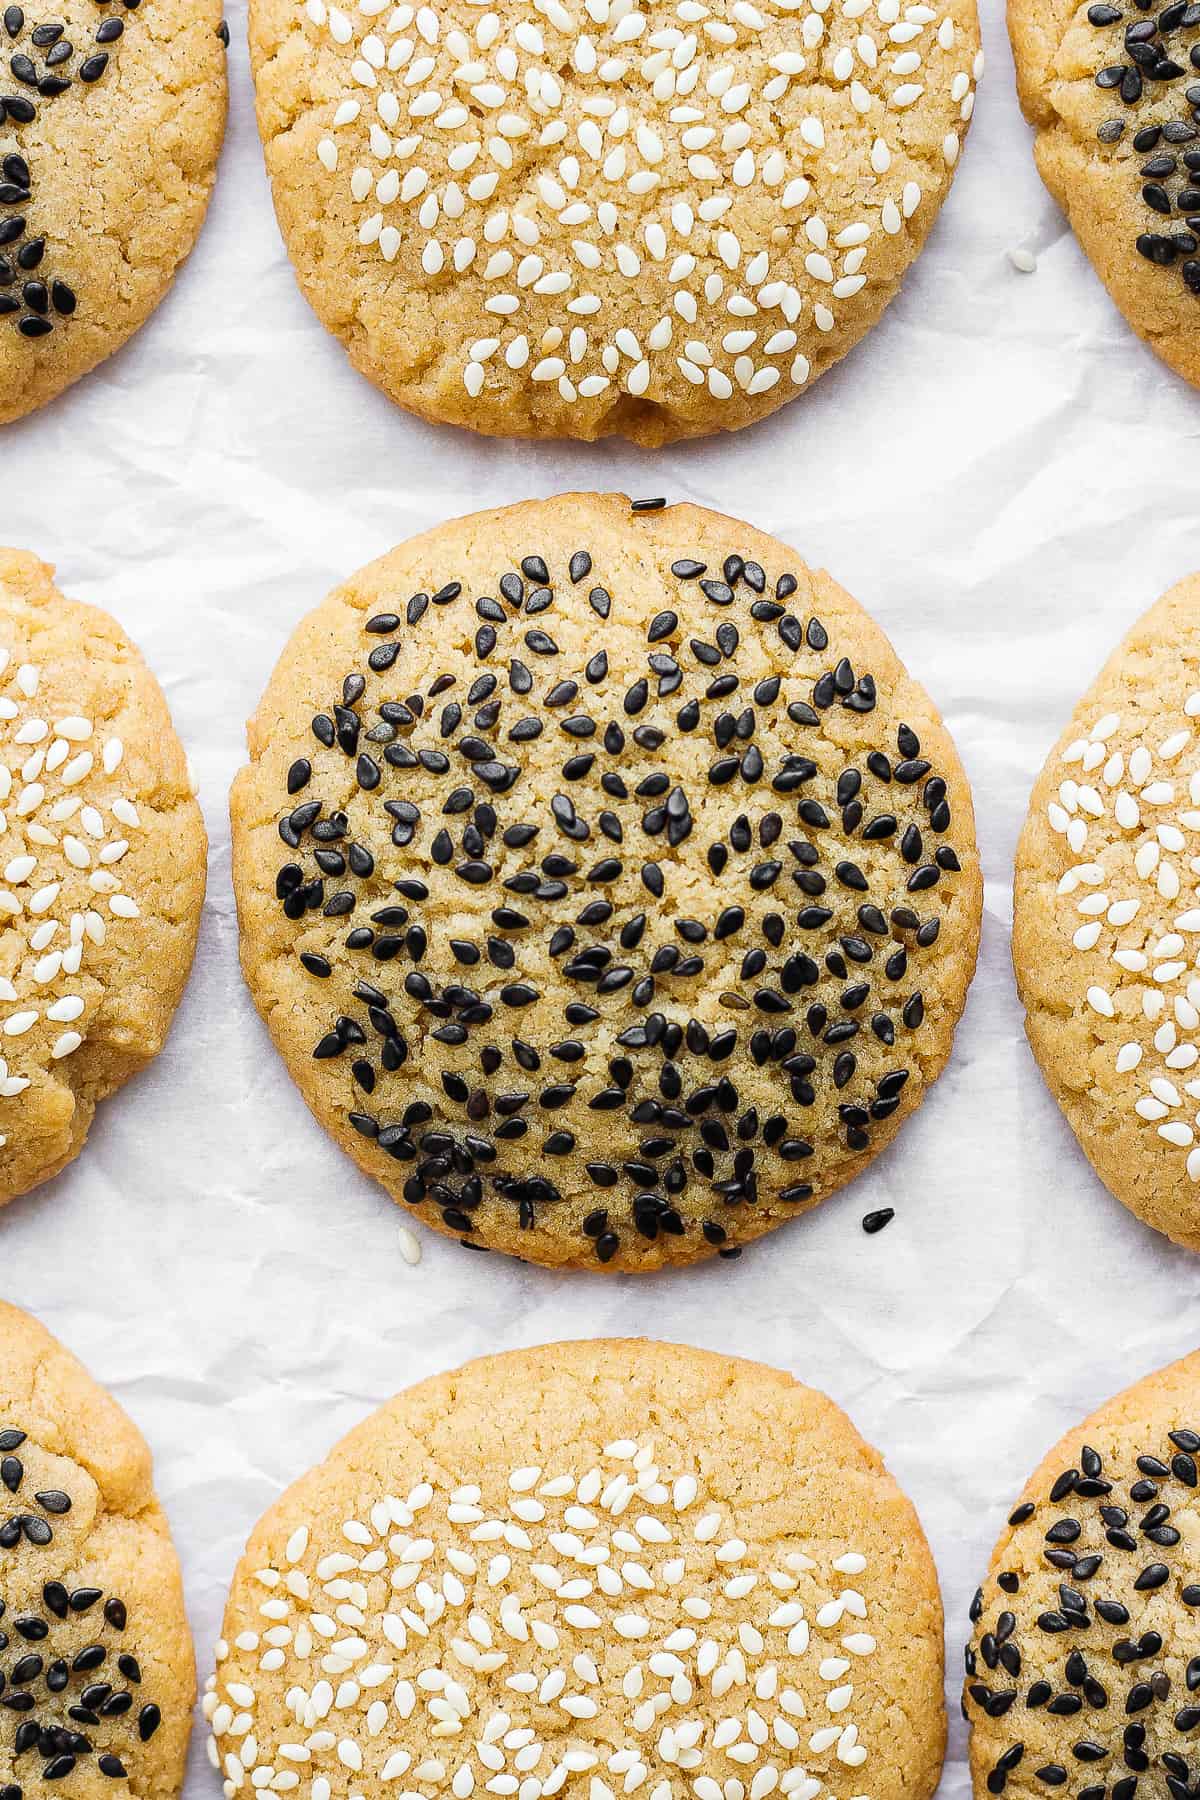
591 1568
1083 1666
111 117
96 1671
575 218
1106 926
102 867
1113 93
607 884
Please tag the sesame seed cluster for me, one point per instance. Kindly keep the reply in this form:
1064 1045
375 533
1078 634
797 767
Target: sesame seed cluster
70 1689
620 912
606 1622
97 1680
607 216
111 117
102 864
1160 54
65 829
1126 810
45 63
1083 1669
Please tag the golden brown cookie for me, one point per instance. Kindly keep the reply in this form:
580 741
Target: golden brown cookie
1113 92
111 116
574 218
1106 927
606 883
590 1570
95 1653
102 866
1083 1671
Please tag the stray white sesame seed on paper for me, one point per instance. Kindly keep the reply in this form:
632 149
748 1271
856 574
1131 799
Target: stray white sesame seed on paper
599 216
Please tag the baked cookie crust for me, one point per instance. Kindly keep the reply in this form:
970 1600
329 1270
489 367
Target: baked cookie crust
110 126
1082 1667
606 883
99 1678
1117 147
569 220
624 1563
102 869
1105 919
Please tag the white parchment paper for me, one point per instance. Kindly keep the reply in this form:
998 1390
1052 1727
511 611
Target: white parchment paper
1006 478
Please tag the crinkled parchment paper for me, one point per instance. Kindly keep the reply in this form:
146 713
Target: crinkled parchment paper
1005 477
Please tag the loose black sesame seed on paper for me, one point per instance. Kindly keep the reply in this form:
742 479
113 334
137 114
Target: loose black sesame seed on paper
1083 1666
606 883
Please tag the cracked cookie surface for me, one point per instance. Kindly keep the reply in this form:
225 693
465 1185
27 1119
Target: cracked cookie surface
606 883
102 869
588 1569
111 117
1106 925
585 217
1113 92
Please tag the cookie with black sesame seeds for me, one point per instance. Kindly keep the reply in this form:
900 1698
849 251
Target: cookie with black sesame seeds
102 868
606 883
1113 93
111 117
652 218
1083 1666
588 1568
97 1677
1106 918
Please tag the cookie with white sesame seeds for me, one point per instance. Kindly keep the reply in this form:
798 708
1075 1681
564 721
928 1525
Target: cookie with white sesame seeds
96 1665
102 868
1113 94
607 884
587 1569
580 218
110 126
1083 1666
1106 921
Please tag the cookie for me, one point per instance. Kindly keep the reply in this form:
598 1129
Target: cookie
95 1655
1106 928
111 117
589 1569
102 865
606 883
1083 1670
1113 93
576 218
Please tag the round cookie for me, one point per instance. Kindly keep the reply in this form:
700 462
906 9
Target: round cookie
575 218
102 866
1113 92
606 883
95 1652
1106 918
590 1569
1083 1669
111 117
